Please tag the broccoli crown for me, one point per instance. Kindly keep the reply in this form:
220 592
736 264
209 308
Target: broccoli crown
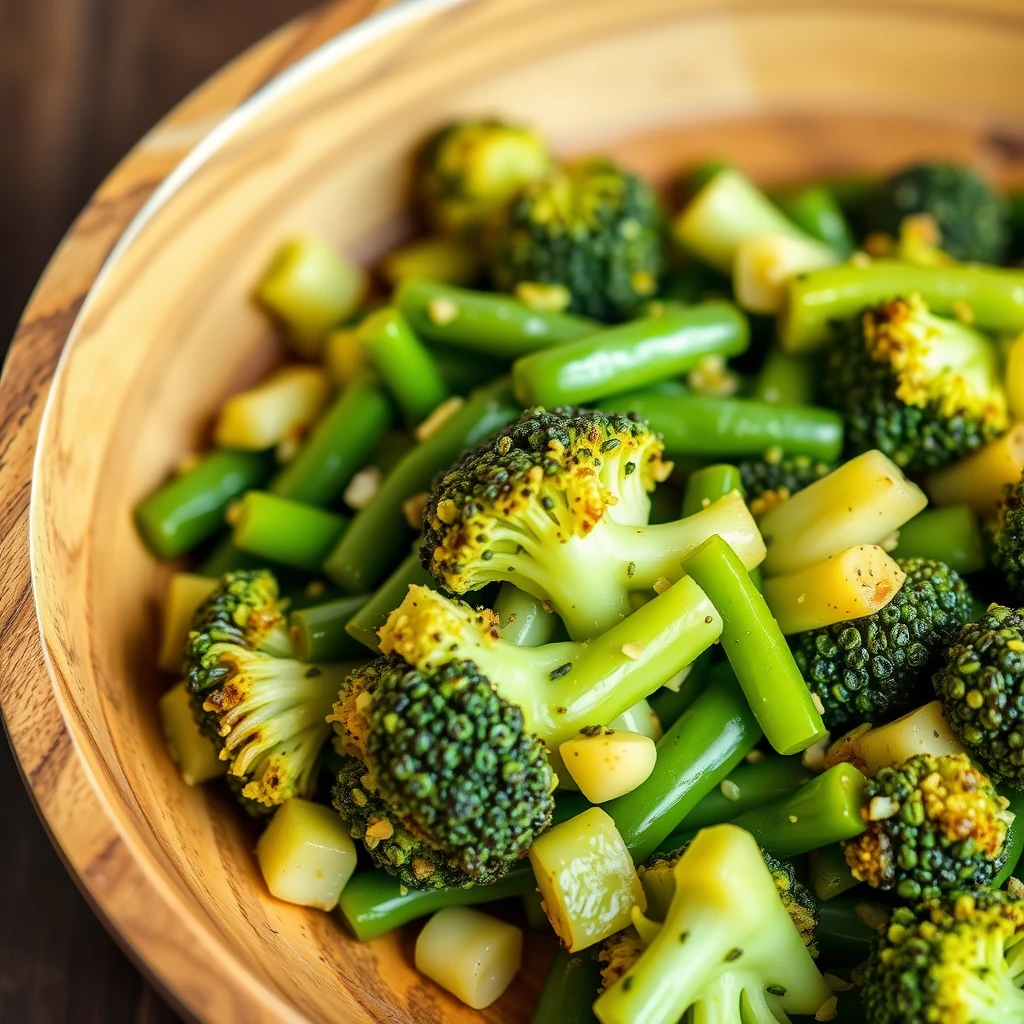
776 477
972 219
592 227
865 669
934 824
619 954
981 686
408 856
921 388
950 960
1008 538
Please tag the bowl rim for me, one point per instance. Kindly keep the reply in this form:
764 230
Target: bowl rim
125 892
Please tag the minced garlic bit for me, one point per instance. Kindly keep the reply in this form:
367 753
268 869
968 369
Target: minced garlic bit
712 376
187 463
315 588
874 917
754 756
363 487
661 584
288 447
233 513
380 830
793 819
1015 888
633 649
814 756
442 310
413 509
439 417
827 1010
963 312
730 790
860 259
837 984
816 700
882 807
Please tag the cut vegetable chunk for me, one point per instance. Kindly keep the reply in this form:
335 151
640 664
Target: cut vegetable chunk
193 753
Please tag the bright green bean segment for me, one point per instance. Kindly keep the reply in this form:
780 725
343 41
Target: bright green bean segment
949 535
709 484
319 632
287 532
373 614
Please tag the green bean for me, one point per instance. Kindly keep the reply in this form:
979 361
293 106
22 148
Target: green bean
405 366
1013 846
734 427
225 557
339 445
364 624
949 535
319 633
379 532
993 297
756 649
190 509
669 704
288 532
569 990
786 379
709 484
492 325
463 374
816 211
522 618
630 355
846 930
830 874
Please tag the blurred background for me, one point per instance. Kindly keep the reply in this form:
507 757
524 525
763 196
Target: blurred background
80 82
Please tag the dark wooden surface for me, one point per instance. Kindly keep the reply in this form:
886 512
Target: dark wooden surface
80 82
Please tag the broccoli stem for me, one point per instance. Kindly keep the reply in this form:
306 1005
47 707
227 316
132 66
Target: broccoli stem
319 632
284 531
756 649
787 380
364 623
339 445
949 535
188 510
631 355
709 484
1013 845
815 210
734 427
668 704
978 479
405 366
830 874
379 532
483 322
523 619
994 297
822 811
569 990
844 934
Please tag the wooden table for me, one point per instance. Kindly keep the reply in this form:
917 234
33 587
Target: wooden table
80 82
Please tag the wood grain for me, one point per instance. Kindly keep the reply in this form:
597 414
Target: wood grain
784 88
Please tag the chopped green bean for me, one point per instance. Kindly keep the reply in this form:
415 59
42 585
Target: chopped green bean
816 211
569 990
523 619
709 484
319 633
787 379
287 532
949 535
225 557
373 614
830 874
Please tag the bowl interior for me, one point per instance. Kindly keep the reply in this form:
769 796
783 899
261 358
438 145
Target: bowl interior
786 90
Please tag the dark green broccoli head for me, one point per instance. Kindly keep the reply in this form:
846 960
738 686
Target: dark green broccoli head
1008 538
953 960
921 388
776 477
981 686
868 669
973 221
934 824
593 228
469 169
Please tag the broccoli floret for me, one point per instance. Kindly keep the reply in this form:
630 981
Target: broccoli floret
954 960
560 688
265 710
727 951
934 824
981 686
776 477
972 220
469 169
619 954
658 879
453 788
867 669
593 228
553 504
1007 536
923 389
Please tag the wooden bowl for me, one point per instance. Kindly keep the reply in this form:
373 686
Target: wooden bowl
142 325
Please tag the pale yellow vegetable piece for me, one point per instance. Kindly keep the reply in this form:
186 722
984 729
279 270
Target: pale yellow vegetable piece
763 265
861 502
186 593
344 356
978 479
921 731
193 753
641 718
607 763
306 855
433 259
278 408
858 581
470 954
586 879
1015 378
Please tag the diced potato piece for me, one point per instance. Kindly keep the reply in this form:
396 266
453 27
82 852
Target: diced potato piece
921 731
978 479
608 763
306 855
344 356
472 955
586 878
1015 378
433 259
854 583
185 594
274 410
641 718
764 263
861 502
193 753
